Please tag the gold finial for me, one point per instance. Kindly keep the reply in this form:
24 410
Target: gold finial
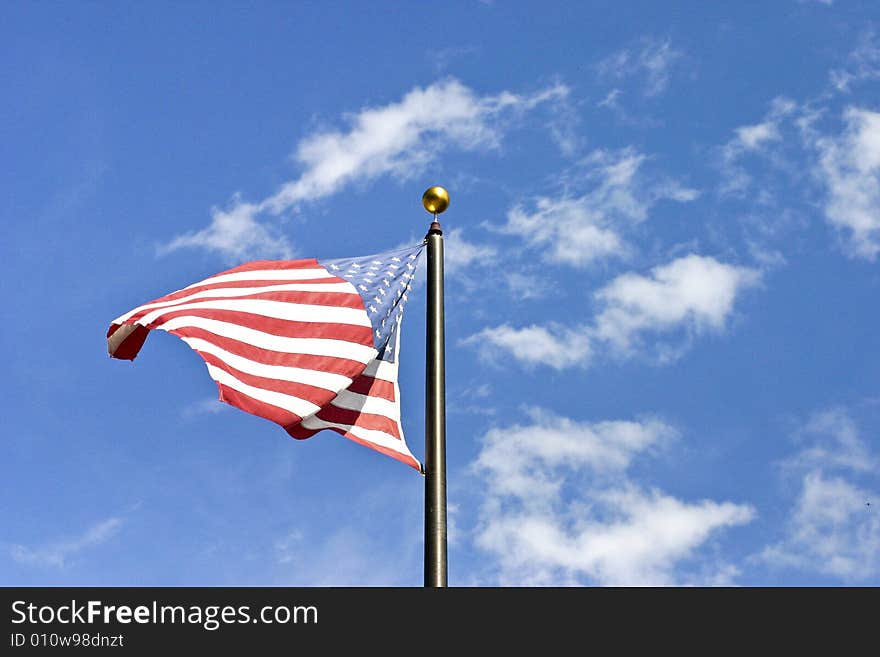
436 200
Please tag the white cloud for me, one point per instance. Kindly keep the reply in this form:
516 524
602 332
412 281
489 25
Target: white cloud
524 286
397 139
580 230
401 138
749 140
521 460
236 234
550 345
863 63
652 63
831 530
693 291
57 554
849 168
460 254
559 508
836 442
752 136
570 228
610 99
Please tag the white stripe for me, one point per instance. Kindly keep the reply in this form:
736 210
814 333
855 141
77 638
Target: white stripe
310 346
242 292
266 275
365 404
290 403
382 369
292 312
325 380
369 435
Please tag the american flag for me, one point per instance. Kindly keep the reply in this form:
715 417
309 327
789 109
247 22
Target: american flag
307 344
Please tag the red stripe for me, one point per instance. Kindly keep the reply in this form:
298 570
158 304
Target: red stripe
305 263
367 385
297 431
314 394
128 349
364 420
246 283
332 364
403 458
281 327
301 434
272 413
331 299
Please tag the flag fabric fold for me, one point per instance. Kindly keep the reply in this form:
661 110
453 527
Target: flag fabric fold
308 344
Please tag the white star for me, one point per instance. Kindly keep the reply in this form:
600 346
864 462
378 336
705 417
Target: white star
381 291
373 310
396 259
334 267
364 288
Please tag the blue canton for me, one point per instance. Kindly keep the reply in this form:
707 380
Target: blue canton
383 281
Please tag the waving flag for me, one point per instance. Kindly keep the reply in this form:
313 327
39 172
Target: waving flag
307 344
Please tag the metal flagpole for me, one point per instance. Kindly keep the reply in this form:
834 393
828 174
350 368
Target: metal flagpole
435 200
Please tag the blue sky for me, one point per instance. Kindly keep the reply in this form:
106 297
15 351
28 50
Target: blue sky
662 258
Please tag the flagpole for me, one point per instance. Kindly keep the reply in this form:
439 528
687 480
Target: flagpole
435 201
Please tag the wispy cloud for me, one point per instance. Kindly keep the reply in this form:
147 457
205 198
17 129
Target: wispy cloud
236 234
863 63
849 169
605 529
651 63
693 293
831 529
398 139
202 407
460 254
842 159
749 140
57 554
581 229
